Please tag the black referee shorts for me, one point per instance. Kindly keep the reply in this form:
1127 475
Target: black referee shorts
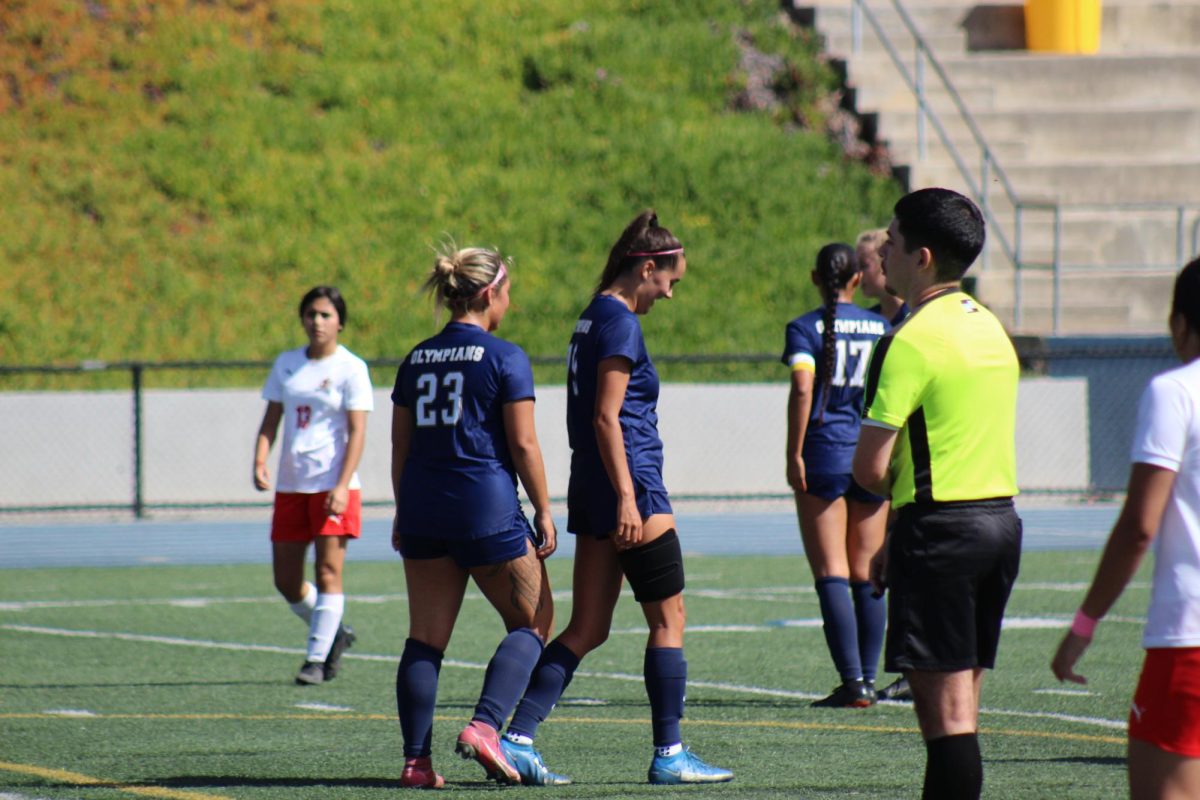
951 567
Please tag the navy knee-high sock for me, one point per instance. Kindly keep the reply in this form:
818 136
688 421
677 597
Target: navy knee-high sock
416 695
507 676
841 629
666 683
953 768
550 679
871 613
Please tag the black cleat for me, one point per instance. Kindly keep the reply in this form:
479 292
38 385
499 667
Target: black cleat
343 640
851 694
899 690
311 674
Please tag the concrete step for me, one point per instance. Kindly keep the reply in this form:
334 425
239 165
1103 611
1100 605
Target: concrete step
1150 27
1095 302
1132 239
1025 81
1110 182
840 44
1127 26
873 94
905 149
930 20
1050 133
1020 82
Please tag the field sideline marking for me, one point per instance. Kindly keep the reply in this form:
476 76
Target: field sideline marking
762 593
77 779
617 676
711 723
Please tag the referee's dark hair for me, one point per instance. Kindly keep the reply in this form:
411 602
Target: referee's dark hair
945 222
1186 300
331 294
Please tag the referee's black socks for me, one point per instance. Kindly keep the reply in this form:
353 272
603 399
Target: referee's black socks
953 768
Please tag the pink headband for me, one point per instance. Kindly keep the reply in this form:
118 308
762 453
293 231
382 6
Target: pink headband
672 252
500 273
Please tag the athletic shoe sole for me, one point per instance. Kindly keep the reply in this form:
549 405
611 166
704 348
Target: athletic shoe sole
472 744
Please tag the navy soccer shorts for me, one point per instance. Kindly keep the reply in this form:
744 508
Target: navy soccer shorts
497 548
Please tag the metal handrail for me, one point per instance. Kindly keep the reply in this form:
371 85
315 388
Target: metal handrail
990 167
916 84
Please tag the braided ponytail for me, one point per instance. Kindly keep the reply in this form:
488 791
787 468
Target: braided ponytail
836 265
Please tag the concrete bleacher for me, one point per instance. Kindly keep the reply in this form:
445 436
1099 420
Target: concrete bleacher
1093 134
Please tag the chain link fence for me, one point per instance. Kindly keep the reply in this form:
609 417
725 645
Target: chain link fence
142 437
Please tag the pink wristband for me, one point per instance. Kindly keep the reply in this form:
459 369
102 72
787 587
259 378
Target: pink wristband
1083 625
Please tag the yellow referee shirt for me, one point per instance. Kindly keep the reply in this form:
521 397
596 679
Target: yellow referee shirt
946 379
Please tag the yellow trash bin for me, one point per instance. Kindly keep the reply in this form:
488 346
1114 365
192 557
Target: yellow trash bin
1062 26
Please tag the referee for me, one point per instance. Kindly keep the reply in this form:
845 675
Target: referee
937 436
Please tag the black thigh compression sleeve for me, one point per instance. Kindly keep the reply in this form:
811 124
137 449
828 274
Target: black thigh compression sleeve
654 570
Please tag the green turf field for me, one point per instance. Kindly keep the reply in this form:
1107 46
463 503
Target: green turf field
176 682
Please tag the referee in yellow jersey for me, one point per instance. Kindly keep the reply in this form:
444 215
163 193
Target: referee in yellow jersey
938 437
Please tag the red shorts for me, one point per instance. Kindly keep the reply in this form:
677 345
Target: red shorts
301 517
1166 706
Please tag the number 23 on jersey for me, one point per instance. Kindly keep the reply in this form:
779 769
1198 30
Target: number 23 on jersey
439 402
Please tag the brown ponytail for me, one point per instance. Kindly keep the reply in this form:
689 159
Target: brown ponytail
643 235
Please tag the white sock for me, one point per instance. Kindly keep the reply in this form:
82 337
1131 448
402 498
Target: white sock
304 608
669 750
518 738
326 618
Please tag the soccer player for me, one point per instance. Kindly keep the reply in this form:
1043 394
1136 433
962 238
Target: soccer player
893 309
462 433
938 437
322 393
874 283
1162 509
619 509
842 524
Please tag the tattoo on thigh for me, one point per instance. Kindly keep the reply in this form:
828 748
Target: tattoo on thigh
526 584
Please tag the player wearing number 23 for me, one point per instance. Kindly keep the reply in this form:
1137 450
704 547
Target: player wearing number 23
462 434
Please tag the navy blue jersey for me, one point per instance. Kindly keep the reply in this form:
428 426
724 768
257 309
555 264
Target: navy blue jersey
901 313
832 434
607 328
459 481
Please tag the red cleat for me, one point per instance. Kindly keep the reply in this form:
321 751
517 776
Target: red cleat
418 774
481 742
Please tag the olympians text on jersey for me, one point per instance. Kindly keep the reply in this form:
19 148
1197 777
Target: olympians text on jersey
458 480
829 440
605 329
315 395
946 378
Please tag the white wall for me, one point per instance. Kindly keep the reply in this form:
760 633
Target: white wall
722 439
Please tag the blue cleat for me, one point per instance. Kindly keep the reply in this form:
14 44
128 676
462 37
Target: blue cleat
685 767
529 763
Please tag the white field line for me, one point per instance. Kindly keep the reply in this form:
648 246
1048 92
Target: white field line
204 602
1010 623
765 594
759 691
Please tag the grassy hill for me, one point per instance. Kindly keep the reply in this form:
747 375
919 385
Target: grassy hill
175 175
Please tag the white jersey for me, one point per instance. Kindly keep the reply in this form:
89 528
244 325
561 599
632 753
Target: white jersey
316 394
1168 436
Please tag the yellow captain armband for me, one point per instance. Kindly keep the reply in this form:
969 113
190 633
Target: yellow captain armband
802 361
